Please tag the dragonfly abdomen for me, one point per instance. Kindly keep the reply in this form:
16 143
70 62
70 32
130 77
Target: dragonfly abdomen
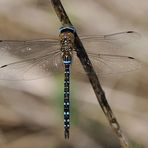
66 98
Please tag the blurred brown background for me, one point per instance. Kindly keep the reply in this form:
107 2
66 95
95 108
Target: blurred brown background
31 112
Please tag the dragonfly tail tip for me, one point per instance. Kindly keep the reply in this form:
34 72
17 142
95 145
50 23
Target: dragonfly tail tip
66 133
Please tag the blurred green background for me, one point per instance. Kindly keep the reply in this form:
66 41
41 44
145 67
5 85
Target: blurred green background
31 112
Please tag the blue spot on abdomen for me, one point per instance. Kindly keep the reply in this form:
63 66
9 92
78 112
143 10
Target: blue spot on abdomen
67 62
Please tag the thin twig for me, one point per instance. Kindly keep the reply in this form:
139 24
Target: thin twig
83 57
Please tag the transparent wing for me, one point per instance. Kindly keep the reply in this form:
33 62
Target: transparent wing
34 55
40 57
107 55
126 36
105 64
52 63
33 68
111 42
27 49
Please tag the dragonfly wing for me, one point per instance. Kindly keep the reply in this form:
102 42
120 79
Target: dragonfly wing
111 43
27 49
125 37
33 68
105 64
113 64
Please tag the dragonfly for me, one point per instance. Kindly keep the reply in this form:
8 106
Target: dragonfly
46 55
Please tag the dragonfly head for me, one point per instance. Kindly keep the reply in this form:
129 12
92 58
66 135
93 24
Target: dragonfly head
67 29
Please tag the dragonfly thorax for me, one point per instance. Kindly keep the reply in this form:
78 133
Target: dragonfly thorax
67 43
